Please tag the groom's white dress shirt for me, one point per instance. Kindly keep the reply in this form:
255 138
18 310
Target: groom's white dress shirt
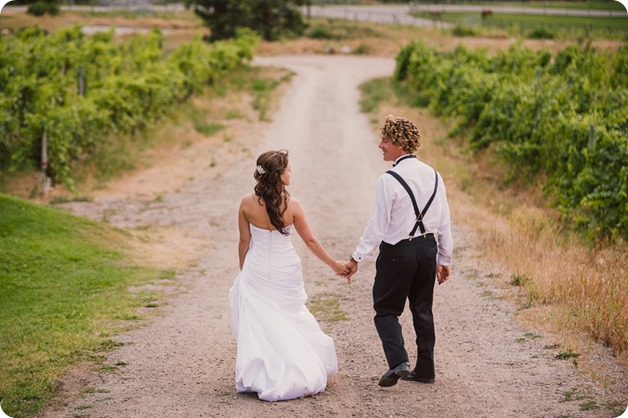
393 215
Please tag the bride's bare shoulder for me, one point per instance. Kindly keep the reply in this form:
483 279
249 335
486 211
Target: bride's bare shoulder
249 199
294 203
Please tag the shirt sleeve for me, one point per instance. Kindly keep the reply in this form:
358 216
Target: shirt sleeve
445 240
378 223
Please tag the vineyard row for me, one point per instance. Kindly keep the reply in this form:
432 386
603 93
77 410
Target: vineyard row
74 90
562 118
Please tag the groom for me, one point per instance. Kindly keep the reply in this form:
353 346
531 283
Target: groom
410 224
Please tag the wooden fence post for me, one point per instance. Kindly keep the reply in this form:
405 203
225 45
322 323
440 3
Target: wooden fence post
44 162
81 81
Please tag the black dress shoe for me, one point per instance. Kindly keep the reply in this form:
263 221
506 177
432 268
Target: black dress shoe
414 378
391 377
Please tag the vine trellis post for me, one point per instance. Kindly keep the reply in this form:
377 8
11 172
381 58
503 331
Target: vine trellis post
44 162
81 81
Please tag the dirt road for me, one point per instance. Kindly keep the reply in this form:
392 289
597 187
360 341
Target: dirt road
182 364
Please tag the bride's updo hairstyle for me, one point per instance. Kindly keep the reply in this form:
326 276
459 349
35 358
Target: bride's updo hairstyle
270 166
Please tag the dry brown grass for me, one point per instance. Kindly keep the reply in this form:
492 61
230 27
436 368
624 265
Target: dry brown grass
590 285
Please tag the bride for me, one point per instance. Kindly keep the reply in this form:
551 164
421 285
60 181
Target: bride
282 353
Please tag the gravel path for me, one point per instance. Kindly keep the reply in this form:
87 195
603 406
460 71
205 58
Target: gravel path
182 363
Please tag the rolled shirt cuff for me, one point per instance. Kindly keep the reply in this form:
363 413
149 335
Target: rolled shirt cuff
358 258
443 261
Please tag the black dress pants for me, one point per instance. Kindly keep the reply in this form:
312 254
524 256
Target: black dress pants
406 270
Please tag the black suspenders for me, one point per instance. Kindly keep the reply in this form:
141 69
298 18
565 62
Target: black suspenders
419 214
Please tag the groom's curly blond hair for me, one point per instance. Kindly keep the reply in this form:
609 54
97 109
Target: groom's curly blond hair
402 131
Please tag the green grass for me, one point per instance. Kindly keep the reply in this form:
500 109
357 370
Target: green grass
115 156
566 355
533 21
262 90
568 4
202 125
63 199
339 29
187 15
63 286
573 394
234 114
519 279
326 307
373 92
589 405
379 90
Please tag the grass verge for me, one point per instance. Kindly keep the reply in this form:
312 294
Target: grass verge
64 289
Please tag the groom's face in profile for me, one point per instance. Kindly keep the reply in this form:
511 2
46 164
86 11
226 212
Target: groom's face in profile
390 151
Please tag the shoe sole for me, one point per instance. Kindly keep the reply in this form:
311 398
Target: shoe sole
418 380
392 380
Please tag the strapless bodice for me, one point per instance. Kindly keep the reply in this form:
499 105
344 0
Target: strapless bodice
270 238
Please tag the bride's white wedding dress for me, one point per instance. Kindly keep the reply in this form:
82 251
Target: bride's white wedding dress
282 351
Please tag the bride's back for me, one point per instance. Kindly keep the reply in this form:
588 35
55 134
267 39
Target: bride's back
255 212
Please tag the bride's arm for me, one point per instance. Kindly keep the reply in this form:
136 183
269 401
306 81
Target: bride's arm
245 234
304 231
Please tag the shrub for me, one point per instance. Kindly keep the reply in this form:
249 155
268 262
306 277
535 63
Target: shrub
42 7
37 9
320 32
462 31
541 33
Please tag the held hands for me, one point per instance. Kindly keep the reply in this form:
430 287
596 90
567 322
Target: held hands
345 269
352 266
442 273
340 269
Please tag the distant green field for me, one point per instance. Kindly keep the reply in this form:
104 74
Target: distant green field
587 5
611 5
519 24
501 19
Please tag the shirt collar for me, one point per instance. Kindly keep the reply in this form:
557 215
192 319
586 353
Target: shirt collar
403 157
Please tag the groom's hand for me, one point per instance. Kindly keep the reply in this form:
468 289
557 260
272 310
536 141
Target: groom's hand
352 266
443 273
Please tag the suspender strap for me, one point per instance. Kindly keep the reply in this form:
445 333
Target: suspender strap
419 214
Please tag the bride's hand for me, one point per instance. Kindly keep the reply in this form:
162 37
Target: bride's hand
340 269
